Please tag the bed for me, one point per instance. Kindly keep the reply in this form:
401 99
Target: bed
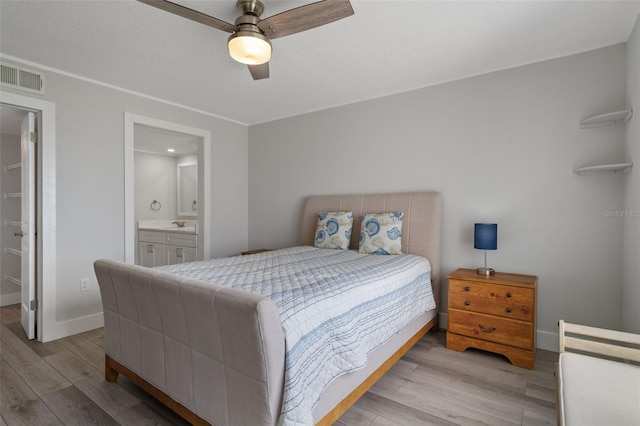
597 376
216 354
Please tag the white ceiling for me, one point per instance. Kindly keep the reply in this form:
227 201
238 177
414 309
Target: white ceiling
387 47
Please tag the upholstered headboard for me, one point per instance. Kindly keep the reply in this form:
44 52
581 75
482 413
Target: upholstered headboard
420 227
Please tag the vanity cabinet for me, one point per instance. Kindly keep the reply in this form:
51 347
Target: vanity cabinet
157 248
181 248
151 251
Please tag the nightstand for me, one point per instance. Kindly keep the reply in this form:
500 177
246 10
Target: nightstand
496 313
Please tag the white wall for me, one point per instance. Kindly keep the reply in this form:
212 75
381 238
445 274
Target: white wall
631 287
500 147
90 184
155 179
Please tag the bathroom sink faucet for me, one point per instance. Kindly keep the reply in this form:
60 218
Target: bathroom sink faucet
180 224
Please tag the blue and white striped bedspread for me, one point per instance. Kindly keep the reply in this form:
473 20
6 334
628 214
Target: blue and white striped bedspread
335 307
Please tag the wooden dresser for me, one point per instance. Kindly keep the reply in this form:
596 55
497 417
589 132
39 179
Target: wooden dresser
496 313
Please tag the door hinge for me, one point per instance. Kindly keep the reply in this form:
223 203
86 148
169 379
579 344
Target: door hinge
33 305
34 137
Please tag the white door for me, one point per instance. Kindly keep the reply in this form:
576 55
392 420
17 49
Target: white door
27 277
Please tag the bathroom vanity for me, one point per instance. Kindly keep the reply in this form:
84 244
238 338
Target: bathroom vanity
163 242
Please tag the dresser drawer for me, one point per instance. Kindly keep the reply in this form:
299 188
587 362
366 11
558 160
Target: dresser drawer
503 308
518 295
491 328
177 239
151 237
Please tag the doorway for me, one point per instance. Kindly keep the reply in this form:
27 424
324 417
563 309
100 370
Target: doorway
133 124
34 280
16 241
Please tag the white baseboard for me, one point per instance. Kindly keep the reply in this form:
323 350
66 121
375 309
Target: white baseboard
10 298
544 339
442 320
70 327
547 340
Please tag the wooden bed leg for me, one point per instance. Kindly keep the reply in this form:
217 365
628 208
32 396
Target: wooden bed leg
111 370
110 374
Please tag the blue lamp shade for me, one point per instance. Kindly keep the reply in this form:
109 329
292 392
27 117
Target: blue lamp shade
485 236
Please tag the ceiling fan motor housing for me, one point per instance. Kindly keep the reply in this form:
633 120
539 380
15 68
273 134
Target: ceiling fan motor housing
247 23
250 7
247 26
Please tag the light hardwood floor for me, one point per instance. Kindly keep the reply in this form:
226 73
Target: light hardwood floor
62 382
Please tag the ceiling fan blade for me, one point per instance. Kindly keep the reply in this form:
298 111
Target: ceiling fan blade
192 14
259 72
305 18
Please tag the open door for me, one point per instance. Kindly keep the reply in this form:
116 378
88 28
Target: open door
28 137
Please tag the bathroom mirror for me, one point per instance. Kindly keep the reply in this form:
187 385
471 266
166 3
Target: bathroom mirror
188 189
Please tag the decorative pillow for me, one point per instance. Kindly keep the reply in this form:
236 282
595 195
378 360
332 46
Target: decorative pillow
333 230
381 233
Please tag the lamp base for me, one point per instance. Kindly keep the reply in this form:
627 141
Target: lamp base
486 271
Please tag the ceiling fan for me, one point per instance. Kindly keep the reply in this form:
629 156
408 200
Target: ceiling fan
250 39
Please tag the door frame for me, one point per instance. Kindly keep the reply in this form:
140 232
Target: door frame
46 281
204 230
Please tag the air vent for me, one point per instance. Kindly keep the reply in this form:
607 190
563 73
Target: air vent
22 78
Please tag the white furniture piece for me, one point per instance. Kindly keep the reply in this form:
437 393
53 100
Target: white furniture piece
164 243
597 377
151 251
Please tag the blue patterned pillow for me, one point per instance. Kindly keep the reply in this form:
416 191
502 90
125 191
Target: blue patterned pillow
333 230
381 233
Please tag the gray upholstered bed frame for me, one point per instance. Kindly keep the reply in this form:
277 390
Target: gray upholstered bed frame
216 355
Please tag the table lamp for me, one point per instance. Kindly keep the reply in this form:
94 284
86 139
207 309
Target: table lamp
485 237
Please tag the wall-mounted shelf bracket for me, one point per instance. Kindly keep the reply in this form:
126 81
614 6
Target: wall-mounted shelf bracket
604 168
609 119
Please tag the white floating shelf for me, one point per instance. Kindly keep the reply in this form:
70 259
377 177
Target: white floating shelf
15 280
605 168
14 166
13 195
609 119
15 223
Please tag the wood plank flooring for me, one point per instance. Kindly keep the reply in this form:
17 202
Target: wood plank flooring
62 383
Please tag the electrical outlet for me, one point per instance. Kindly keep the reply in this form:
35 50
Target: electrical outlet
84 284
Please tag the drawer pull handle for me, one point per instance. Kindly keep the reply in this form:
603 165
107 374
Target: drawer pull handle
179 252
508 294
508 310
467 289
487 330
149 248
467 303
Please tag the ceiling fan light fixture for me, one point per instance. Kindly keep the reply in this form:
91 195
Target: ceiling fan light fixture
248 47
248 43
